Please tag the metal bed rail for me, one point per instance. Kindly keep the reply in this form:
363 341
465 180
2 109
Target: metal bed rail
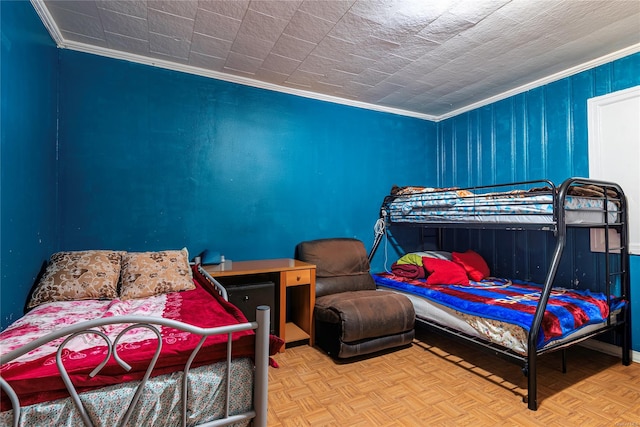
485 206
531 205
561 235
93 328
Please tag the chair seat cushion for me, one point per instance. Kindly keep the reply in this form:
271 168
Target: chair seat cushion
366 314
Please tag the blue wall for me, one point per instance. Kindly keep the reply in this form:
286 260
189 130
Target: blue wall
541 133
28 215
154 159
149 159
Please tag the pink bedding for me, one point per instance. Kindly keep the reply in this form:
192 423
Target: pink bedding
196 307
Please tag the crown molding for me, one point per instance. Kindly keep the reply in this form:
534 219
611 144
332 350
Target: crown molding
545 80
245 81
48 21
53 29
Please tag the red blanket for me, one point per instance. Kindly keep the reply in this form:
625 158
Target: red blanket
36 379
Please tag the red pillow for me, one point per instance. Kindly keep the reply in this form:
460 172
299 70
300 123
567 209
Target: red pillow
444 272
473 263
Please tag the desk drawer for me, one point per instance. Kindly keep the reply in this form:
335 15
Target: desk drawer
298 277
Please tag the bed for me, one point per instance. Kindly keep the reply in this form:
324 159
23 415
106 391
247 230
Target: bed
122 338
516 318
533 206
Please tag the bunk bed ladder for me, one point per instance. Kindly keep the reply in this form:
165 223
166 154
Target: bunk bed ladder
620 275
623 276
530 368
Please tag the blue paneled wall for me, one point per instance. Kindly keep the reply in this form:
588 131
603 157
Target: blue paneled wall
538 134
541 133
29 90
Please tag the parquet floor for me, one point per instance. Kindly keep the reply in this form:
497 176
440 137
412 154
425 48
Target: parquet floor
439 382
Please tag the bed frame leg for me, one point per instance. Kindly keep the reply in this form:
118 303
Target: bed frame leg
626 355
532 385
564 361
626 340
260 392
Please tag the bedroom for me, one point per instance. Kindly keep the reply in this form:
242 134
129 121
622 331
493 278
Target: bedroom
177 159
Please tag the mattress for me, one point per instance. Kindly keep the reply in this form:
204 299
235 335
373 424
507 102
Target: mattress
502 313
159 406
517 208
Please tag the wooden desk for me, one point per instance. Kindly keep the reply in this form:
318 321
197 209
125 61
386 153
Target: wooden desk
296 277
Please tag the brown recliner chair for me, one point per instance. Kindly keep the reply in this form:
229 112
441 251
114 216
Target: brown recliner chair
352 318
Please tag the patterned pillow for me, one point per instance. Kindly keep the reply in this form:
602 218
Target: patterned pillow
150 273
78 275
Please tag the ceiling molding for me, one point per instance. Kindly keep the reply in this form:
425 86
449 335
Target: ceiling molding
545 80
55 33
48 21
245 81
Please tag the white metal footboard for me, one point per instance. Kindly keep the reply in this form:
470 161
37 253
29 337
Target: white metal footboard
259 412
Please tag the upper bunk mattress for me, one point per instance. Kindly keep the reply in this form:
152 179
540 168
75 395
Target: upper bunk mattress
518 208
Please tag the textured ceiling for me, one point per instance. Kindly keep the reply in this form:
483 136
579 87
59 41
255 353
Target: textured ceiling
425 58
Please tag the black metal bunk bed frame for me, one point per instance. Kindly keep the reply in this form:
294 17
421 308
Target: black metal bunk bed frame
559 228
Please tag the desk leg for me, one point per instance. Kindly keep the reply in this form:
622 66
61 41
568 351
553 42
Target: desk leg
312 305
282 309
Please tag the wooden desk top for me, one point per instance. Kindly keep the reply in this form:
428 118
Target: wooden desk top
239 268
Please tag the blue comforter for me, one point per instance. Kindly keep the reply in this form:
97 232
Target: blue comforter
513 302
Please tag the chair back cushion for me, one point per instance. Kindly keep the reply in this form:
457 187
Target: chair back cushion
341 264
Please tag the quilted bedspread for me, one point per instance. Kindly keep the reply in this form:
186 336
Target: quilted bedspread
514 302
35 377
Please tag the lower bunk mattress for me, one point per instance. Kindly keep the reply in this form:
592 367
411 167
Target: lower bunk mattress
501 311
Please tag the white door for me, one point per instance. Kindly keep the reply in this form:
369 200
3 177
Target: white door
614 149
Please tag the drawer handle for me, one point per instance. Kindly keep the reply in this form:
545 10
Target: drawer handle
298 278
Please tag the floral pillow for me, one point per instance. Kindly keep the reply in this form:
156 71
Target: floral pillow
78 275
151 273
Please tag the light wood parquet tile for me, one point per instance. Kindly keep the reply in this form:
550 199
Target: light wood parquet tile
439 382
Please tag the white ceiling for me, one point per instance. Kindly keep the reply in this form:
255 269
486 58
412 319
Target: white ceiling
424 58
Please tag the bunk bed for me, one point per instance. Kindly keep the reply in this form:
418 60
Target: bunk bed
173 357
577 203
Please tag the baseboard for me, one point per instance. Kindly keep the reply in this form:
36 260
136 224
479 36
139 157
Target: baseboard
610 349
